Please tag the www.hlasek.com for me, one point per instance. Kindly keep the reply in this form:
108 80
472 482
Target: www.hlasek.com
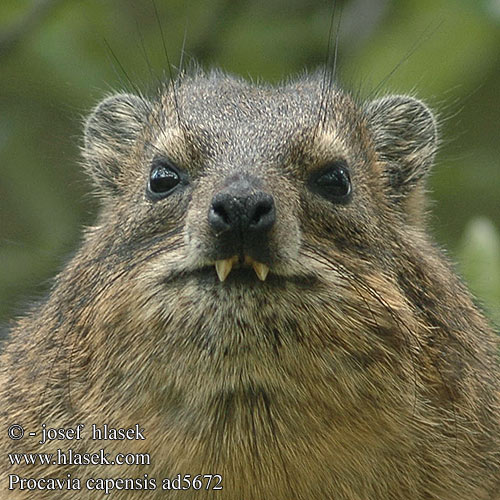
71 457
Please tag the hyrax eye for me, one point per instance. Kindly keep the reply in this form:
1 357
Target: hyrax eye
333 182
163 178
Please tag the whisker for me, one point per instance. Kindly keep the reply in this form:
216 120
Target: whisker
122 69
332 73
183 52
169 66
146 56
427 33
325 70
336 266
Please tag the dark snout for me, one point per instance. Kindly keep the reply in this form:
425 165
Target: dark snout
241 217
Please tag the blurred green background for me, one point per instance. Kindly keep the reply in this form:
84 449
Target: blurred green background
58 58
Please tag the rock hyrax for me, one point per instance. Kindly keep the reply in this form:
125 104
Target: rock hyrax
260 295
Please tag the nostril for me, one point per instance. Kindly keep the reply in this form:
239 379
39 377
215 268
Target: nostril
221 215
262 212
237 214
220 212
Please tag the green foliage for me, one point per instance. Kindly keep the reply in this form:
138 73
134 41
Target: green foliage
480 262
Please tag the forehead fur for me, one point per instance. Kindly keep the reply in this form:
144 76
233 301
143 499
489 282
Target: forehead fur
204 96
229 113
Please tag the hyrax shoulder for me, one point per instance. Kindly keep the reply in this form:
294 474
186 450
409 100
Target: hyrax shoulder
259 293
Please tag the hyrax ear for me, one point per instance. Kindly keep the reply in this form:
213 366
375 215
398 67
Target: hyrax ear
405 135
111 131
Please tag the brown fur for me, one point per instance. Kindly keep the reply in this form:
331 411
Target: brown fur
360 369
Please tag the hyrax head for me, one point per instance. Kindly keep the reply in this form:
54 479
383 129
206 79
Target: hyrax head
243 181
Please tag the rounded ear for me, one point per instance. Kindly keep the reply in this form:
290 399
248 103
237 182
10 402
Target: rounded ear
405 136
111 131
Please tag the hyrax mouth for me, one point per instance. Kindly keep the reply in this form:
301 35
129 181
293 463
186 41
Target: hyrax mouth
241 217
225 266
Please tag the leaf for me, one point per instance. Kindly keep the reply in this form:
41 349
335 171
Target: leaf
480 262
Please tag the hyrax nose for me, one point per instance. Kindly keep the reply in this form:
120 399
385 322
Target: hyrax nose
244 216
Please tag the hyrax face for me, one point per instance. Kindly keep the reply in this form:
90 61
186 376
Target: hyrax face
233 185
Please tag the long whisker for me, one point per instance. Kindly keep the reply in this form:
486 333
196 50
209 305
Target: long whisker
427 33
324 79
122 69
338 267
169 66
332 72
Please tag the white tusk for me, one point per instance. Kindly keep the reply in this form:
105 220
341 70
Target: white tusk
261 270
223 268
